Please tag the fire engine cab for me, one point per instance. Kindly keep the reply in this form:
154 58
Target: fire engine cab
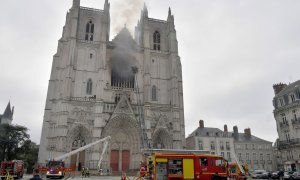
15 168
176 166
55 169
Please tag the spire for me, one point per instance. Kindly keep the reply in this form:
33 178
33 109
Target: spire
76 3
170 16
106 5
145 11
170 19
7 112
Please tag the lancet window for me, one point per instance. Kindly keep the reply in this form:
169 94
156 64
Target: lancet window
89 31
154 93
156 41
89 86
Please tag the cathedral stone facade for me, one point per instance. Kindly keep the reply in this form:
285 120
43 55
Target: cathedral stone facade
127 88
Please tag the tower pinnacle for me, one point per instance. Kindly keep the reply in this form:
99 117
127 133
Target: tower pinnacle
76 3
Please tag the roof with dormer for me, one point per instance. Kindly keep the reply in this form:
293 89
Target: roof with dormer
289 88
243 138
206 131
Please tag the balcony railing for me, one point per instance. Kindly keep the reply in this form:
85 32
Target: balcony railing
288 143
296 122
284 125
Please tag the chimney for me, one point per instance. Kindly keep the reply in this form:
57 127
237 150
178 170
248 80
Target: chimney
278 87
235 132
225 128
201 124
247 132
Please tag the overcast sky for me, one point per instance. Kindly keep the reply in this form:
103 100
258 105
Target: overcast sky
232 52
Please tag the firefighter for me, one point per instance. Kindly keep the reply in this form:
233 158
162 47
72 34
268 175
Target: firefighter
36 175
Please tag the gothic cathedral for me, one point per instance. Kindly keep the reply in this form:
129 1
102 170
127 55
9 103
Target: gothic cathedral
127 88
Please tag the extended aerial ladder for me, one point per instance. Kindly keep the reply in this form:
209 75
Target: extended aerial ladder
238 163
144 137
105 140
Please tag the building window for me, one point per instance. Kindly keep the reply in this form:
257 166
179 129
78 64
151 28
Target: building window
268 157
200 144
227 146
295 115
228 156
261 157
153 93
293 97
247 156
281 102
89 31
283 118
89 86
287 136
91 56
240 156
156 41
254 156
253 146
222 154
221 145
212 145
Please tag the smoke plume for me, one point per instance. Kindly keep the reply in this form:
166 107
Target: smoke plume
125 12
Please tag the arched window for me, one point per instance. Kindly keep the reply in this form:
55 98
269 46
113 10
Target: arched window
153 93
89 86
89 31
156 41
292 96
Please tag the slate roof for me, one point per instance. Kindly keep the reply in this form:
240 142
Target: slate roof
213 133
242 138
203 132
289 88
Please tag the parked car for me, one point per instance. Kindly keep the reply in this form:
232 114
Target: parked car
259 174
275 175
288 174
295 175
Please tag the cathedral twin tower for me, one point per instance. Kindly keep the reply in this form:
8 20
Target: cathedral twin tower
129 89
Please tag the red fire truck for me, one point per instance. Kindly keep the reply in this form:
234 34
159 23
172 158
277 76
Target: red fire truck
176 166
55 169
15 168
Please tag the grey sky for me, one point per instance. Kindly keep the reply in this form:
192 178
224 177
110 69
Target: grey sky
232 52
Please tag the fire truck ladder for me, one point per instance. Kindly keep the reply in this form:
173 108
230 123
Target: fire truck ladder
238 163
105 140
144 137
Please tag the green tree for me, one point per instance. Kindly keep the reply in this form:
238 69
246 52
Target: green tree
12 138
29 154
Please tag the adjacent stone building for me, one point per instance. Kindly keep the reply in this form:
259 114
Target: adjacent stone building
127 88
212 140
244 147
7 116
287 116
254 151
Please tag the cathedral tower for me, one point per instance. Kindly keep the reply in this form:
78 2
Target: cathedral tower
129 89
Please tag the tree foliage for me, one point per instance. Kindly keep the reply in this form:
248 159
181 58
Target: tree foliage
15 144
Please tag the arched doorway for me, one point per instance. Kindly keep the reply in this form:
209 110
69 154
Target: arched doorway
78 160
78 137
124 150
162 139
